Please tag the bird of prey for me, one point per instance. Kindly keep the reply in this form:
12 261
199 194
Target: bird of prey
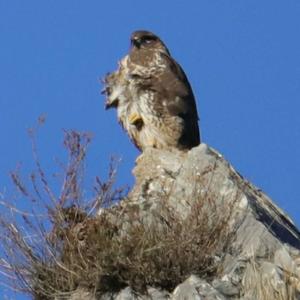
154 100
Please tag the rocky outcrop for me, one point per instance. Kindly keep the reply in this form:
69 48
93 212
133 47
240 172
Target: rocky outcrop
259 256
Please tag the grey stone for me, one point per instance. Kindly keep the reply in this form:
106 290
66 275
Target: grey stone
126 294
283 259
226 287
263 256
157 294
196 288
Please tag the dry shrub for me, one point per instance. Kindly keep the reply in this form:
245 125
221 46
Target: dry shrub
99 256
32 239
164 256
71 246
276 285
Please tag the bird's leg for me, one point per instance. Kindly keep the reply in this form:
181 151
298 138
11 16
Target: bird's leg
136 120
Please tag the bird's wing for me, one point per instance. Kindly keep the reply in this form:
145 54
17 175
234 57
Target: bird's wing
174 84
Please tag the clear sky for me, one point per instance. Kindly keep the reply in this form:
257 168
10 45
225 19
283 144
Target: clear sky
241 57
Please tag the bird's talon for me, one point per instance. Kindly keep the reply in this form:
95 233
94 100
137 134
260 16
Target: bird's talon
134 118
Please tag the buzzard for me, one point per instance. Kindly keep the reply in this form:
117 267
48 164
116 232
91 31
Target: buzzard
154 100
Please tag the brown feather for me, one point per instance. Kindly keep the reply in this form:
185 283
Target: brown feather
153 97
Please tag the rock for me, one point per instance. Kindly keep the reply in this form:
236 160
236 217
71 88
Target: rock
195 288
157 294
126 294
283 260
226 287
261 259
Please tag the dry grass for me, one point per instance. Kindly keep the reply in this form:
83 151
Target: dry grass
264 284
103 258
68 246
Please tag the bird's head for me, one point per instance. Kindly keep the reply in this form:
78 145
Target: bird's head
142 39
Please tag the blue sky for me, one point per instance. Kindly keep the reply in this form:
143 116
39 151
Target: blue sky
241 57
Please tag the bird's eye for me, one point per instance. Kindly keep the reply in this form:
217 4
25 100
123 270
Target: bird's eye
148 39
143 40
